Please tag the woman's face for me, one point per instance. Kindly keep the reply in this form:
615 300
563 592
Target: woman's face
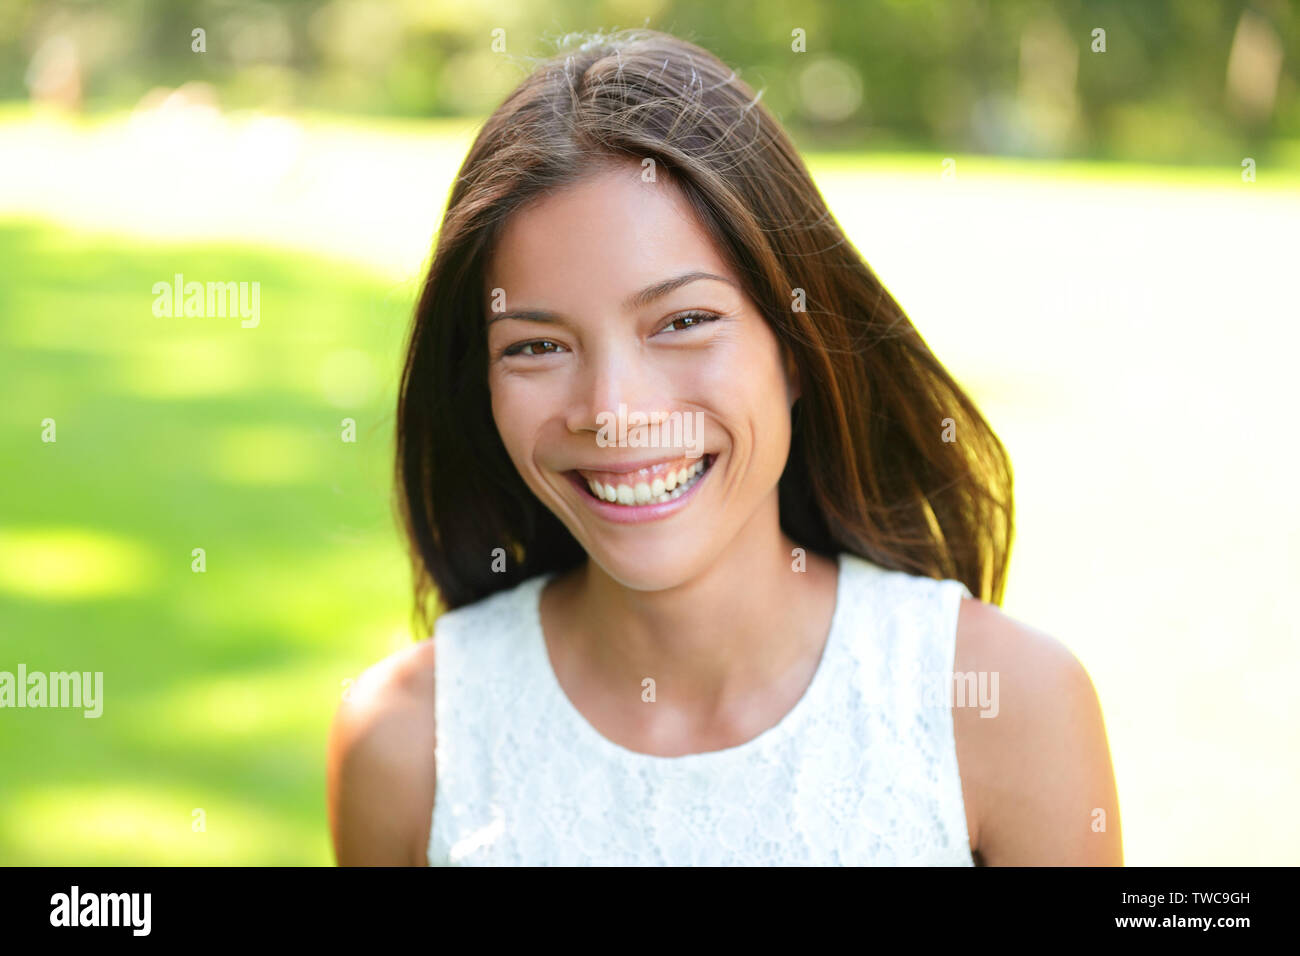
607 300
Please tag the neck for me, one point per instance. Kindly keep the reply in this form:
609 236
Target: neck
743 626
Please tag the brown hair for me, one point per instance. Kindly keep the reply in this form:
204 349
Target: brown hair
868 472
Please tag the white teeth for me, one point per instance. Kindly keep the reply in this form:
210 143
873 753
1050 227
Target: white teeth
658 491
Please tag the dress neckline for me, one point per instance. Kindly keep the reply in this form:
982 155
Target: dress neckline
780 731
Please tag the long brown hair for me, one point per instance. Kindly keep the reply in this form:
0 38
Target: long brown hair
889 458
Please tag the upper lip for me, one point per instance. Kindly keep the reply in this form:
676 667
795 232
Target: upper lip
626 467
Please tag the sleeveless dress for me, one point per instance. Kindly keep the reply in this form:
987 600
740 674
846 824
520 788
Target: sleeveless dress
862 771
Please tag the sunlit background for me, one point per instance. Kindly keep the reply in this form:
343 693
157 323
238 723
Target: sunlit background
1100 243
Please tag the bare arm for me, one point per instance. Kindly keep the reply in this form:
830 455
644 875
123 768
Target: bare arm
1037 777
380 771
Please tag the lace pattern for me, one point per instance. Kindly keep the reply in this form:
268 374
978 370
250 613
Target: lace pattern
862 771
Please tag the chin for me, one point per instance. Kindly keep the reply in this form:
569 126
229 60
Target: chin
658 563
658 542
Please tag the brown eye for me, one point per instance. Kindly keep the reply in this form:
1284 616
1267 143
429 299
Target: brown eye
688 321
536 347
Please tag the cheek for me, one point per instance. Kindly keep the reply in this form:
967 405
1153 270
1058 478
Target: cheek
515 416
754 398
765 377
770 421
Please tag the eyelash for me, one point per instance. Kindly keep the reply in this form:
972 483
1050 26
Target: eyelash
519 348
701 317
694 314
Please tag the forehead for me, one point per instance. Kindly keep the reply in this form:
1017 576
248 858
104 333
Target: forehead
599 239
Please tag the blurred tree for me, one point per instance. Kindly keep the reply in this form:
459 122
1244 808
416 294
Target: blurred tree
1175 81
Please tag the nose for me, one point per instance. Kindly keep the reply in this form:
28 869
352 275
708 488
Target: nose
611 384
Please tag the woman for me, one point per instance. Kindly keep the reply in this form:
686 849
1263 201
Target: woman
707 520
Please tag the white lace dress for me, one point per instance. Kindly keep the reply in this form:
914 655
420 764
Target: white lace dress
862 771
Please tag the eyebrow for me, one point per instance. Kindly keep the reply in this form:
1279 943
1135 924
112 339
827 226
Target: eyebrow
635 301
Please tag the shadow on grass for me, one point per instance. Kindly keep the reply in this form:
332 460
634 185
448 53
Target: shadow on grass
174 434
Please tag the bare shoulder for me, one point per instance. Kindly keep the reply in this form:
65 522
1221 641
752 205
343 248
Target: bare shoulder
1035 763
380 766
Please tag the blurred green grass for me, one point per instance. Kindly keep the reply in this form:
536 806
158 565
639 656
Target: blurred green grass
1128 331
175 434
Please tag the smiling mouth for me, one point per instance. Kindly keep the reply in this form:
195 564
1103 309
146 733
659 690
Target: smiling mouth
654 485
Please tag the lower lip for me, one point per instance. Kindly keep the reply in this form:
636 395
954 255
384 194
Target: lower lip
637 514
